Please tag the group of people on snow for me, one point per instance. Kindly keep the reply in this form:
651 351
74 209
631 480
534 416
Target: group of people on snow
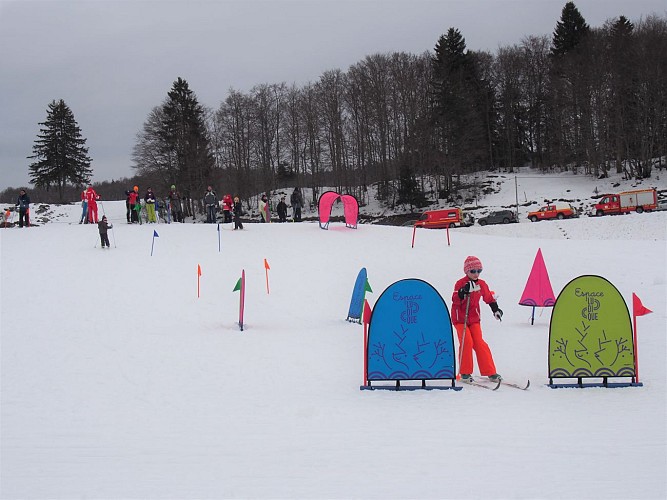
231 207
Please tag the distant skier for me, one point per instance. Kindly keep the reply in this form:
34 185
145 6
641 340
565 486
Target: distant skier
128 210
227 203
103 227
264 211
23 207
238 212
282 210
296 200
175 204
92 197
84 208
133 199
150 200
465 300
211 202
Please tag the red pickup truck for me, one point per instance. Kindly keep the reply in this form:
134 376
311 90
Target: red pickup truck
553 211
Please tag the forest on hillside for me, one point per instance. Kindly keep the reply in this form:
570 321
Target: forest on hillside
586 99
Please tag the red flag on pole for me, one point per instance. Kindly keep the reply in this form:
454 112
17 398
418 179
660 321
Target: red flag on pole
638 308
266 270
198 275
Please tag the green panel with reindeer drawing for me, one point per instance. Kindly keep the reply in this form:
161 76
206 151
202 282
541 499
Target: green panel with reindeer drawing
590 334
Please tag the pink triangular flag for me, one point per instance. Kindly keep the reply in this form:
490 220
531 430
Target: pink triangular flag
538 291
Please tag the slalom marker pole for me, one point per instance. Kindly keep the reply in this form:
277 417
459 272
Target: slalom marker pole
366 318
414 230
266 271
634 326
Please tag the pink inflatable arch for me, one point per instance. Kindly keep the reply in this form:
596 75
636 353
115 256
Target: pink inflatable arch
350 208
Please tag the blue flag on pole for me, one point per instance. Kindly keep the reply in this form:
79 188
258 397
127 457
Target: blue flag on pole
155 235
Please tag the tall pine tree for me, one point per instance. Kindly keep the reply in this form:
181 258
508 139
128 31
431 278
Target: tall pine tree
463 105
570 30
184 130
60 152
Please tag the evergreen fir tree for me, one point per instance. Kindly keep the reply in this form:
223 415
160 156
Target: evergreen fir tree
60 151
462 105
570 30
184 130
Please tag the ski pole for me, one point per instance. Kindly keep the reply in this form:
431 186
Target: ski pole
463 337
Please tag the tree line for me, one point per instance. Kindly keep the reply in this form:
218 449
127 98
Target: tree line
585 99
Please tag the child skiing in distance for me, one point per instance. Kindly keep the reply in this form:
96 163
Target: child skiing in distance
104 226
227 203
466 319
282 210
238 211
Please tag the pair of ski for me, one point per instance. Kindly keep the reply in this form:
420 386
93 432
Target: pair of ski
493 386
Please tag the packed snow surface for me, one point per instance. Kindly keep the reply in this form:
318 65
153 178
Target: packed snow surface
119 382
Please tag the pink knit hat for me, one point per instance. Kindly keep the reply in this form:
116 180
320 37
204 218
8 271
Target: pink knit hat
471 262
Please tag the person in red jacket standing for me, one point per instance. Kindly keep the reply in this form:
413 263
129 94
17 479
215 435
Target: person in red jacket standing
468 291
133 200
92 197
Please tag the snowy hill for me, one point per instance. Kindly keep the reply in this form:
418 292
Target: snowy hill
119 382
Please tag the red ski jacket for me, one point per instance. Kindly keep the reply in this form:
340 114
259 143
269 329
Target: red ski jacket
459 306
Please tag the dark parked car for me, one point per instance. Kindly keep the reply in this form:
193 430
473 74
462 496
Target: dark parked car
499 217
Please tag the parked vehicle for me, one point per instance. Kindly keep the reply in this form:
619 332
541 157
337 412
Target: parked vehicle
553 211
439 219
640 200
498 217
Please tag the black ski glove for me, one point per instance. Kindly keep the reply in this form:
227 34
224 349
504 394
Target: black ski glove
497 311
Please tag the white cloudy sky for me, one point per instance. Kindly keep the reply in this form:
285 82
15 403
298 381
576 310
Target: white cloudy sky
112 61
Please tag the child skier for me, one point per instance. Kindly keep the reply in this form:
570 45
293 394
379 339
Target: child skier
466 319
103 226
238 212
227 203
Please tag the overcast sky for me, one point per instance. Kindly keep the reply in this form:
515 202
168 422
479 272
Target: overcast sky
113 61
